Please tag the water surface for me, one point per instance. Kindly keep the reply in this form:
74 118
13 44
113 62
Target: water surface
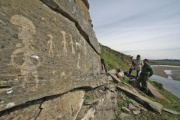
168 84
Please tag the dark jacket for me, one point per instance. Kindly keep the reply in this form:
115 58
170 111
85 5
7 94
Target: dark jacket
147 70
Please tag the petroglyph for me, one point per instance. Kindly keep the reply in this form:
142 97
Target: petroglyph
72 45
78 46
63 75
74 10
26 32
51 45
64 43
78 49
79 58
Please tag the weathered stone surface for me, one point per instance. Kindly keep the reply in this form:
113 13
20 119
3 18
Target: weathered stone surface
154 91
120 74
113 71
154 105
105 109
110 78
65 107
86 3
136 112
43 52
89 115
115 78
138 105
101 106
77 12
125 116
132 107
111 87
126 110
23 113
171 111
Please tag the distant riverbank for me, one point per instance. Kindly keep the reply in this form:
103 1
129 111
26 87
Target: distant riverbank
165 62
167 71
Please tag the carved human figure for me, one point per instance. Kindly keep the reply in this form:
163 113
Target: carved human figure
72 45
78 49
51 45
78 46
64 43
74 9
78 63
26 32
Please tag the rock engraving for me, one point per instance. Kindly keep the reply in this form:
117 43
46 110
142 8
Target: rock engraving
51 45
64 43
72 45
26 32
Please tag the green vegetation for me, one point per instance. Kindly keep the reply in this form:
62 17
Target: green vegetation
118 112
87 97
121 103
114 59
171 102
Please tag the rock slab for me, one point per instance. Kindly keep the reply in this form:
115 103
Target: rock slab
47 48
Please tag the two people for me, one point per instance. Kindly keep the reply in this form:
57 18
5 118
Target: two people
145 71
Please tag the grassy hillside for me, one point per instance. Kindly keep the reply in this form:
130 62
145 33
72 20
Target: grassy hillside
115 59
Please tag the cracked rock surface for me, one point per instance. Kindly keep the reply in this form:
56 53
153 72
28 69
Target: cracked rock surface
47 48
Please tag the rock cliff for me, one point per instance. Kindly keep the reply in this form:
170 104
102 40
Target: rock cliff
49 57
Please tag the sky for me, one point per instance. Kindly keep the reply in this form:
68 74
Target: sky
150 28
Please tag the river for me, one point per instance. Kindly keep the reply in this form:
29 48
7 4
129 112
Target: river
170 85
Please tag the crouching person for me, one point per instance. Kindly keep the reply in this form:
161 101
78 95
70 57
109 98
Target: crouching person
145 74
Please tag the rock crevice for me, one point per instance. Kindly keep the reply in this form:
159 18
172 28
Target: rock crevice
39 103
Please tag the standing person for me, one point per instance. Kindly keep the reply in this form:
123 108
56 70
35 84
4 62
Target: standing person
103 65
145 74
136 65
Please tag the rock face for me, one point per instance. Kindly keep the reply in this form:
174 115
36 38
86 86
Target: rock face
65 107
100 105
48 47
